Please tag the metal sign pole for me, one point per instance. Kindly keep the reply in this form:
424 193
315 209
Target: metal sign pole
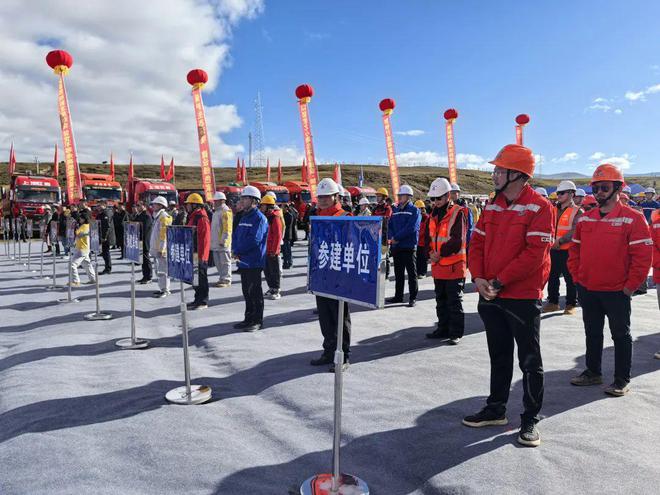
54 286
41 262
133 342
20 253
98 315
337 483
69 297
13 238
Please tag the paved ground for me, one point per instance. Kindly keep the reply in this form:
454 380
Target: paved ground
79 416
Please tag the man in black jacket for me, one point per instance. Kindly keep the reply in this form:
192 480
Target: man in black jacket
107 235
145 232
119 218
287 239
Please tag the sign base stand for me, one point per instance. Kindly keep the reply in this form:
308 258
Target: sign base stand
321 484
132 344
198 395
54 287
67 300
98 316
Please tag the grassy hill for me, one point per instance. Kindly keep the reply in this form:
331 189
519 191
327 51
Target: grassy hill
419 178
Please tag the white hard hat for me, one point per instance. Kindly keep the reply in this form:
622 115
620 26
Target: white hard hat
251 192
218 196
159 200
271 193
172 203
327 187
405 189
649 190
580 193
439 187
455 187
363 201
626 189
542 191
566 185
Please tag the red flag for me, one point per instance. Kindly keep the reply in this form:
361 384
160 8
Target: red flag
112 166
162 167
239 171
170 171
244 176
337 174
56 168
267 169
130 169
12 160
303 172
279 171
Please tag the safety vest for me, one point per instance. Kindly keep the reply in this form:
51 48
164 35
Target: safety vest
439 234
564 224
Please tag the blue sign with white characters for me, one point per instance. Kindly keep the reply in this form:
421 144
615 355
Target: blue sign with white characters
181 254
132 242
345 259
94 240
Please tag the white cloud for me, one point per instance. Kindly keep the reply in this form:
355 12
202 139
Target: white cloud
600 104
623 161
412 132
635 95
568 157
598 155
421 158
618 111
290 155
127 88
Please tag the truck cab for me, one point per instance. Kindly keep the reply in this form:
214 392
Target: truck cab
301 196
146 190
100 187
281 192
30 194
362 192
233 192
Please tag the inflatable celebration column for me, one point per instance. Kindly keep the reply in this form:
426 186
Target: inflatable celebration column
521 121
387 107
61 61
197 79
450 116
304 94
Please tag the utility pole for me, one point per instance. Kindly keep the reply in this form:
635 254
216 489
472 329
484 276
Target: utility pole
259 132
36 161
250 149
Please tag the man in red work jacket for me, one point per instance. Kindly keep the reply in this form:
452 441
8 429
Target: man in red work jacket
272 270
655 233
197 217
509 260
609 260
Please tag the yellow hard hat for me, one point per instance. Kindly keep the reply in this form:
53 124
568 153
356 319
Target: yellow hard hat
382 191
420 204
194 199
268 200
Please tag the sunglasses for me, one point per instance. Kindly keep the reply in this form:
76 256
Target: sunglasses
559 193
436 198
603 188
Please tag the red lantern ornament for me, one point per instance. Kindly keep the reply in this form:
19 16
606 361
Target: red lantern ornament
197 78
522 119
451 114
387 105
304 92
60 61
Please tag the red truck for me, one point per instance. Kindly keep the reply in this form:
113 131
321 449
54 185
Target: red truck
147 189
30 193
281 192
365 192
301 197
99 187
233 192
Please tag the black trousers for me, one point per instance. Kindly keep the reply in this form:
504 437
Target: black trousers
449 307
559 267
202 287
328 319
596 305
405 261
254 297
508 321
120 243
422 261
105 253
146 265
272 272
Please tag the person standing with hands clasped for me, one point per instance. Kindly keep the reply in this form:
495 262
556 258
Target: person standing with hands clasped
610 258
158 244
509 260
197 217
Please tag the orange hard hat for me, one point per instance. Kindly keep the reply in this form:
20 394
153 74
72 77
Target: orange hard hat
589 199
607 172
515 157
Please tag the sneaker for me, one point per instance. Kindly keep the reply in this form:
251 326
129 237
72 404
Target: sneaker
617 389
193 306
143 281
570 310
252 327
437 335
550 307
323 360
241 325
455 341
74 284
161 294
411 303
344 367
275 295
485 417
393 300
223 285
529 435
268 292
420 277
586 378
90 282
105 272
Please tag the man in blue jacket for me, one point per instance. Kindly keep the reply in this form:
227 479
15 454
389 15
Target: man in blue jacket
249 249
402 232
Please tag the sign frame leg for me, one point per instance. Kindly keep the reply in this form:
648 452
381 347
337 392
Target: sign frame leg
98 314
133 342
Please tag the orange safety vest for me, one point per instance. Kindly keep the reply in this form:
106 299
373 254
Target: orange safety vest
564 224
439 234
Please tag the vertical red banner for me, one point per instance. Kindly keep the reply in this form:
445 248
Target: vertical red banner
451 152
391 155
208 178
519 135
71 170
312 176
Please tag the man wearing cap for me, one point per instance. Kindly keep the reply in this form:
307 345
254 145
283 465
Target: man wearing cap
509 260
146 221
363 208
107 235
403 233
579 196
610 258
542 191
249 249
567 216
272 271
649 205
221 232
158 244
197 217
383 209
81 250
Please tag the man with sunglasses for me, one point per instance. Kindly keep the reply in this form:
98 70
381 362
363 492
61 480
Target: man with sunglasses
509 259
567 215
609 259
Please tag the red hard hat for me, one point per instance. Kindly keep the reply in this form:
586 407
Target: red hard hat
607 172
589 199
515 157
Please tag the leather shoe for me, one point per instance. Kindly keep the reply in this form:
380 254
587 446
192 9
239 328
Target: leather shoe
393 300
323 360
411 303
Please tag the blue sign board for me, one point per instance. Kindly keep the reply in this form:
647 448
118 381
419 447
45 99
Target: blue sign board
53 231
94 242
181 254
345 259
70 232
132 242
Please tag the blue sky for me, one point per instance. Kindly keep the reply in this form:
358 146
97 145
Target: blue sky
569 65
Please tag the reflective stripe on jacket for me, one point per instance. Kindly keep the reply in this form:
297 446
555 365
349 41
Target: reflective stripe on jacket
453 266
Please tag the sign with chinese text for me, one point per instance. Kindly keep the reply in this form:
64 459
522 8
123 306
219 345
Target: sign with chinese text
70 231
181 254
53 231
345 258
94 241
208 178
132 242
